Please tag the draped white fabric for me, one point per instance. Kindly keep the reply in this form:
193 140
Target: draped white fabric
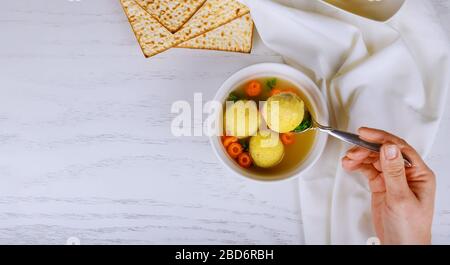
392 76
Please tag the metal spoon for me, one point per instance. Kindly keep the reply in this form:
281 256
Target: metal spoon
309 123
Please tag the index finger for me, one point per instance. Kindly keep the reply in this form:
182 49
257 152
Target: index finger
382 137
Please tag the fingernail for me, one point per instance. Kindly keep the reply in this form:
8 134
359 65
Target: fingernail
391 152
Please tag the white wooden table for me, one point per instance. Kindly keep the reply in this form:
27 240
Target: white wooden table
85 143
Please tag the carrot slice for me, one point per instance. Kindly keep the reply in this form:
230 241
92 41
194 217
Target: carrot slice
292 90
275 91
229 140
235 149
253 89
288 138
244 160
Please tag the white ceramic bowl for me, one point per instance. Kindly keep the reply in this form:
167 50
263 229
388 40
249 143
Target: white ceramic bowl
305 84
378 10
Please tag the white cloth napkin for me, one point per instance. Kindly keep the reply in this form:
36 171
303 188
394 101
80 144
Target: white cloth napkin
392 76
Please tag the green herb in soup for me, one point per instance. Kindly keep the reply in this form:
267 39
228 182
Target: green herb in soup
233 97
271 83
262 149
306 123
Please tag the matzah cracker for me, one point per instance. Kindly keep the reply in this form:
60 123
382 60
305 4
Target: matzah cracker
151 35
172 14
155 38
235 36
213 14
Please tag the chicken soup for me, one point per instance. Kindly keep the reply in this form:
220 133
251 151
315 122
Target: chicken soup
261 118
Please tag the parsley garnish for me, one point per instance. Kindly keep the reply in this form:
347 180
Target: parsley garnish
306 123
233 97
271 83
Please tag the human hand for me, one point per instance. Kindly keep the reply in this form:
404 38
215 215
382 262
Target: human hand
402 198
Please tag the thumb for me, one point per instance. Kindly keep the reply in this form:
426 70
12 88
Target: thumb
393 167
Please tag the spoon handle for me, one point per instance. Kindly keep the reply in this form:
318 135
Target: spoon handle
354 139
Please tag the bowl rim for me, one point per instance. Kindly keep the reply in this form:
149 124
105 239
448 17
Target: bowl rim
307 86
